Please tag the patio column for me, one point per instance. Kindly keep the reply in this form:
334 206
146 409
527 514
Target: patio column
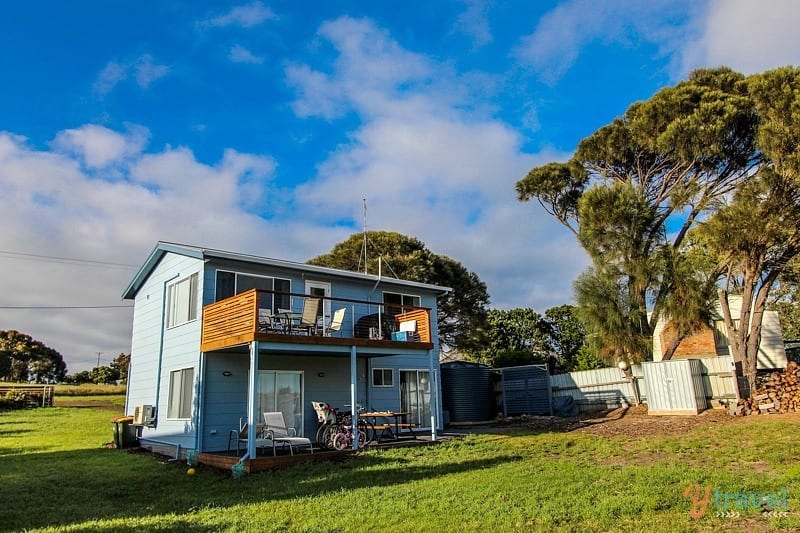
353 408
252 395
434 385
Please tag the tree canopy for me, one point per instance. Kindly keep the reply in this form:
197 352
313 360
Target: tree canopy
23 358
633 190
460 313
692 196
522 336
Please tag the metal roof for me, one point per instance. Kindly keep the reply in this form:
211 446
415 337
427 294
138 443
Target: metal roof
162 248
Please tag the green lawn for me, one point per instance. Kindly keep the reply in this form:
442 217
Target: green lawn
56 474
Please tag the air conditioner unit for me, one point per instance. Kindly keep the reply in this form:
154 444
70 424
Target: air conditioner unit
144 415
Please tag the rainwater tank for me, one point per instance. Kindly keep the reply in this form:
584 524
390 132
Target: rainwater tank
467 392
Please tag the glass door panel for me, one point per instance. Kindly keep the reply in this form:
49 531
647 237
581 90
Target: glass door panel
282 391
415 396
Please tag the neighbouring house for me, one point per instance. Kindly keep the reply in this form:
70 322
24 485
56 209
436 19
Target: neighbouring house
218 336
713 340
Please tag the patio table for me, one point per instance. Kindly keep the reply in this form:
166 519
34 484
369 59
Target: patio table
390 429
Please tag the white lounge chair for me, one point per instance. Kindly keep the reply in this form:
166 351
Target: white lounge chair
240 436
276 430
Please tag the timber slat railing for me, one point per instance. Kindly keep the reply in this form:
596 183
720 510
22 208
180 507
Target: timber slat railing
235 321
230 321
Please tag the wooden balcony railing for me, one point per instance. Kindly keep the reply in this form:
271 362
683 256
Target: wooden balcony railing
235 321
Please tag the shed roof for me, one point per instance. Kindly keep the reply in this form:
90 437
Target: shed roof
162 248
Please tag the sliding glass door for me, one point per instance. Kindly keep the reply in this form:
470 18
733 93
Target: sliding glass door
415 396
282 391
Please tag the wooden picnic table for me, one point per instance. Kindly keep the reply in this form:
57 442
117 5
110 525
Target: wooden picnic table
391 428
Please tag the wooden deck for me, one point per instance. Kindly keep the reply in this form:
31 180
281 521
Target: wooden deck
260 464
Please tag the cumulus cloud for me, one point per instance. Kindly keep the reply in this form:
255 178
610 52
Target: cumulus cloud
746 36
474 23
430 166
562 34
116 212
99 146
240 54
143 69
245 16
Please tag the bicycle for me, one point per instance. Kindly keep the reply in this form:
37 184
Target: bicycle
343 440
332 422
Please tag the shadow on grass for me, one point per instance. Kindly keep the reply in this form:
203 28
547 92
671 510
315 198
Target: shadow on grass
70 488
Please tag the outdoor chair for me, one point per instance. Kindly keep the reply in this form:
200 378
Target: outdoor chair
308 318
269 323
336 323
275 428
240 437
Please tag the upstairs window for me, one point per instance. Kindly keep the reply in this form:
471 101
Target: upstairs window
232 283
396 303
182 301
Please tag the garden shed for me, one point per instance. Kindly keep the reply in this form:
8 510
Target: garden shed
674 387
526 390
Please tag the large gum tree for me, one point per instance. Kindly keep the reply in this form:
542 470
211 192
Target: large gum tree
632 192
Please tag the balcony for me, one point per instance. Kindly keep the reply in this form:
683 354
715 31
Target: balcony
258 315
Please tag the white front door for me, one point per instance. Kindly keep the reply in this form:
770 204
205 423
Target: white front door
321 288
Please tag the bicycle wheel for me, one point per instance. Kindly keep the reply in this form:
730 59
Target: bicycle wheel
341 441
366 427
321 435
362 438
327 436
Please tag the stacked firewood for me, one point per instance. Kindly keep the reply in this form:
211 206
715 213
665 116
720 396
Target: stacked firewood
779 394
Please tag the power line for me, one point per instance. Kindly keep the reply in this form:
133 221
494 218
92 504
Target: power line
68 260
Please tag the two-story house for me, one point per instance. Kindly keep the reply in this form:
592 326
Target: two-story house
218 336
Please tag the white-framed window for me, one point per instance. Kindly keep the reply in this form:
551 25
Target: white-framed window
181 391
182 301
396 303
382 377
231 283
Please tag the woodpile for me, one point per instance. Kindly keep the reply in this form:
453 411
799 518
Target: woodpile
780 394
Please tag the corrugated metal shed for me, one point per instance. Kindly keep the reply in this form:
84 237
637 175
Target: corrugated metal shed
674 387
526 390
467 392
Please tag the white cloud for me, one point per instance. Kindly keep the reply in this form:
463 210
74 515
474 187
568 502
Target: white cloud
109 77
246 16
147 72
142 69
474 23
431 167
562 34
240 54
99 146
54 207
744 35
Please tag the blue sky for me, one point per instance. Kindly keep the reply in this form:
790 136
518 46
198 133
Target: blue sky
258 127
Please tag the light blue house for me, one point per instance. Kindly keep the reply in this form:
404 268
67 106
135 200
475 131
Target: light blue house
219 335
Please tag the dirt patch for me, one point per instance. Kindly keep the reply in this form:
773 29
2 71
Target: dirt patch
83 403
635 422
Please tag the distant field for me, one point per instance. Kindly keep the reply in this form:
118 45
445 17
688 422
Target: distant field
89 390
57 475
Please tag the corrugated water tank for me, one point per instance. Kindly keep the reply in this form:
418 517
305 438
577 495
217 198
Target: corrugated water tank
467 391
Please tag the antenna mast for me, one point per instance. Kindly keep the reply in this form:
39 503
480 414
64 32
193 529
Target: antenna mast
365 235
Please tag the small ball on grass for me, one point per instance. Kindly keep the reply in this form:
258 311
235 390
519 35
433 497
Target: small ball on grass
191 471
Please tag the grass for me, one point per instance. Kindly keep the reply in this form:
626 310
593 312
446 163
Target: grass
57 475
89 389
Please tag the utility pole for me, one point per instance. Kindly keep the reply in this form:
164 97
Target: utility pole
98 359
